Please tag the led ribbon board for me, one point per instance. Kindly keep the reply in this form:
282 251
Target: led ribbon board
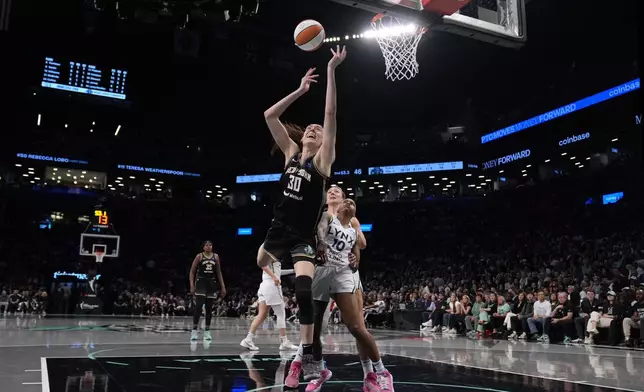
564 110
49 158
158 171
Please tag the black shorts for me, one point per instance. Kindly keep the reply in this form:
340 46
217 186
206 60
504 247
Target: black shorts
206 287
283 243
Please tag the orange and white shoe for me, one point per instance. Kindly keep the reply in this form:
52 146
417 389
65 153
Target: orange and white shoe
293 378
385 381
316 385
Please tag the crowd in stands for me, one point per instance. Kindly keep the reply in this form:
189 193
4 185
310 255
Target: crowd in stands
535 262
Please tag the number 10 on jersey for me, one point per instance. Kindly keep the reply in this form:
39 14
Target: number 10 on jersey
294 183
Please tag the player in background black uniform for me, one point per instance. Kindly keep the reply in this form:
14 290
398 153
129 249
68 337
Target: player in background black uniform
296 214
204 268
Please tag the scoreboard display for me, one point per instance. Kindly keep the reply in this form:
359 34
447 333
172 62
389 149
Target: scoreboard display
84 78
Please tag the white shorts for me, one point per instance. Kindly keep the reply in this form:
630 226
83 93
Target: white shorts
356 276
270 293
332 280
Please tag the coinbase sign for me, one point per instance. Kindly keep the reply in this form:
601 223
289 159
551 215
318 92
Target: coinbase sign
506 159
574 139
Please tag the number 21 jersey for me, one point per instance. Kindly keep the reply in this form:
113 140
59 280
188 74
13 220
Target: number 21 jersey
302 196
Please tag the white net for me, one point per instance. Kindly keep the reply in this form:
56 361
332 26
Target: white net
398 42
99 256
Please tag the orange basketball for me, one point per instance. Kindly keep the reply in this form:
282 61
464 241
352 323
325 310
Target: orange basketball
309 35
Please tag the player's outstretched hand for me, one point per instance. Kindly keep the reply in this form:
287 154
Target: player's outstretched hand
308 78
338 56
353 262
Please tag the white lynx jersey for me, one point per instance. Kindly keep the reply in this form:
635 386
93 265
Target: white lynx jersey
276 267
340 241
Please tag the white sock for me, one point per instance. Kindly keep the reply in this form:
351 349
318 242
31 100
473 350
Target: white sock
298 356
250 336
367 367
378 366
283 339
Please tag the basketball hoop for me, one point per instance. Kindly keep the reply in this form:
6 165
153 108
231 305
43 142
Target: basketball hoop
398 42
99 255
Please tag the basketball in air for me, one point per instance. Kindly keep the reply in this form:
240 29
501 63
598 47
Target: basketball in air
309 35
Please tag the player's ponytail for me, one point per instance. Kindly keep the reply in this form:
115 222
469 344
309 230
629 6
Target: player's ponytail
295 132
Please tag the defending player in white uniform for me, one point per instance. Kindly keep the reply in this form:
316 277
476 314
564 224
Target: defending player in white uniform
270 295
335 278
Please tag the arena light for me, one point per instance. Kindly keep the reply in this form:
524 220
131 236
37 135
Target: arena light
414 184
118 129
371 187
25 175
66 126
382 193
349 189
588 159
217 186
452 182
408 178
523 171
340 182
37 178
224 189
501 171
161 182
528 165
432 176
448 186
363 181
391 31
468 175
399 181
208 191
481 176
563 154
478 187
547 160
132 177
572 158
18 165
614 140
577 163
146 185
525 175
380 186
39 118
413 190
376 182
580 166
436 184
488 180
444 179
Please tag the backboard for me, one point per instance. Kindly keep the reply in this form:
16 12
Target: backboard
90 243
500 22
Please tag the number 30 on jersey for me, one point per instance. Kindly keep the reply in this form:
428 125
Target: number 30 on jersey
294 183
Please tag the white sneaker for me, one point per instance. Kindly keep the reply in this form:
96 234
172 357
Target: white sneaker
593 331
523 336
452 331
427 323
287 346
578 341
249 344
513 335
194 335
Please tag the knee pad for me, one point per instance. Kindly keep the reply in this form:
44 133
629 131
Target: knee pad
304 298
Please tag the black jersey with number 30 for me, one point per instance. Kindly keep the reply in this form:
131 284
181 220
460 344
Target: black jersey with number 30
302 195
206 267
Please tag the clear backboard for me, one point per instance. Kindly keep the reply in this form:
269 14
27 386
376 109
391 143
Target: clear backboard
500 22
91 243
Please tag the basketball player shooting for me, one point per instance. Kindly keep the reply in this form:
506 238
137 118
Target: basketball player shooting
295 216
335 279
203 270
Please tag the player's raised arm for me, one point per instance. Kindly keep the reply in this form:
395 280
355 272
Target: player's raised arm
361 240
326 155
193 272
272 115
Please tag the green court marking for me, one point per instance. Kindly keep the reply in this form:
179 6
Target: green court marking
218 360
425 384
188 360
117 363
147 371
174 367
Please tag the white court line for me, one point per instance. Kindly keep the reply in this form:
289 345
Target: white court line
147 343
33 370
517 373
44 374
